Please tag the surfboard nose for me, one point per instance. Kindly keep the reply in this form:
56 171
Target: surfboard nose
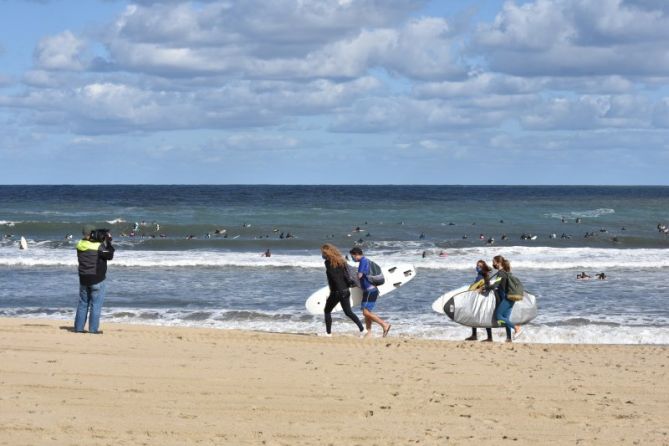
449 308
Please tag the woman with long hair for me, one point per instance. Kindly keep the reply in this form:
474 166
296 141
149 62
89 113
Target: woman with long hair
482 281
336 270
505 305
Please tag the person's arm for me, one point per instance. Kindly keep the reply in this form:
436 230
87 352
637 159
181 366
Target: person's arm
106 250
363 268
503 283
328 273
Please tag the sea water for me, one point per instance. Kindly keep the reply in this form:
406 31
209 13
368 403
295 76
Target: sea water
174 269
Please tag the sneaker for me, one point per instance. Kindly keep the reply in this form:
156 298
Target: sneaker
363 333
325 335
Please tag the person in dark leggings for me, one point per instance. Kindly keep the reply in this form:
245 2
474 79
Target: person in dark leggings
336 270
505 306
482 273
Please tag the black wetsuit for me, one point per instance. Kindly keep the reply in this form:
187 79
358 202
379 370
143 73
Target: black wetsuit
339 294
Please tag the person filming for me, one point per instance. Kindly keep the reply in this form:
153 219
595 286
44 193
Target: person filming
93 252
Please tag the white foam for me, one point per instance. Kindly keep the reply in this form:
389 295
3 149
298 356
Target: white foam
429 327
7 223
521 257
116 221
594 213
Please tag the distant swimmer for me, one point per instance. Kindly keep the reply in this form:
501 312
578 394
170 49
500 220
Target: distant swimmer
163 235
267 253
601 276
615 240
491 241
421 236
582 276
68 237
443 254
553 236
563 220
368 235
578 220
207 235
505 237
190 237
450 223
501 221
623 229
603 230
220 231
424 254
481 237
135 227
565 236
465 237
156 227
282 236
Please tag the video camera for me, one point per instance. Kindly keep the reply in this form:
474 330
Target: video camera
101 235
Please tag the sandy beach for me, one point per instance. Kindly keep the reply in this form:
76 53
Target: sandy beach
176 386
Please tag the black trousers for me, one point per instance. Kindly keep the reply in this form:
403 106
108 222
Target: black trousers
343 298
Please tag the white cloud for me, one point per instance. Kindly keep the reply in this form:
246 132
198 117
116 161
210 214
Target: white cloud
63 51
576 38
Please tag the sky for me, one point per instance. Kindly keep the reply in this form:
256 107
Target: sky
334 92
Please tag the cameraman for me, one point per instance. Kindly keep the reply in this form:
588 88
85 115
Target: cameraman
93 251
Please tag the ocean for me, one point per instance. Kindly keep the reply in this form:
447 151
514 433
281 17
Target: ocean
191 255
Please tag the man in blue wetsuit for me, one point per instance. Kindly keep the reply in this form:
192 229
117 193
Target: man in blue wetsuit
369 293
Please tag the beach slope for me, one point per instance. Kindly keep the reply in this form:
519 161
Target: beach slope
175 386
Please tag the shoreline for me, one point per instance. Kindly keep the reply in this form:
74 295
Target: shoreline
342 328
176 385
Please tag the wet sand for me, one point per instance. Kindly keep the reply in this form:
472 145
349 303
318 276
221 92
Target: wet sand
176 386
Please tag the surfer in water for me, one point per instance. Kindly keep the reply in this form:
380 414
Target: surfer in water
336 270
482 281
503 312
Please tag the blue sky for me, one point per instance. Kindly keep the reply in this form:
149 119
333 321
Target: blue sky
341 91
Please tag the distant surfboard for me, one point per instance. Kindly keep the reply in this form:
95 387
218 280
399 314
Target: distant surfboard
23 244
476 309
395 275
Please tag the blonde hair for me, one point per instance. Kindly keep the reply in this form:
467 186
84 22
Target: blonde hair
332 255
501 261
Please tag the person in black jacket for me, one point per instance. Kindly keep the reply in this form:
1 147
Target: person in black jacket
92 256
339 282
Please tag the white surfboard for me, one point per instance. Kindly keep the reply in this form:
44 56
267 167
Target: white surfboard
477 309
396 275
23 244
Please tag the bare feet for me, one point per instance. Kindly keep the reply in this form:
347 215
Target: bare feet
386 329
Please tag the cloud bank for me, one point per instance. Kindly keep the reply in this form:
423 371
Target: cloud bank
301 74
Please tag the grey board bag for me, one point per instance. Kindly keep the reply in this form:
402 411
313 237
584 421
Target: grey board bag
375 275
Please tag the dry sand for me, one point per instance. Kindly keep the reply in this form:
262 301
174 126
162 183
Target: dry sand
176 386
